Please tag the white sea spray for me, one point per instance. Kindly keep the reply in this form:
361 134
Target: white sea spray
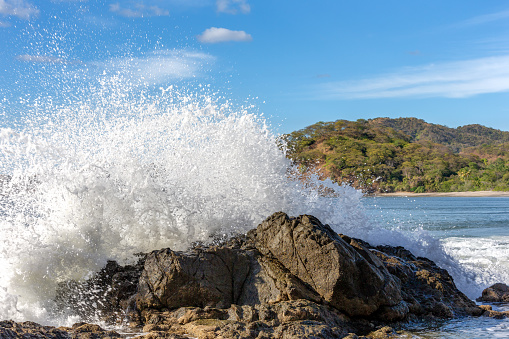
118 172
112 168
114 174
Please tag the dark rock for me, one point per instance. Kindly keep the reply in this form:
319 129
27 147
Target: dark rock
216 276
426 288
106 295
496 314
300 258
289 277
10 329
495 293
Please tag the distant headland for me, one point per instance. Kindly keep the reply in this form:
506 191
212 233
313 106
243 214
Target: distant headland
386 155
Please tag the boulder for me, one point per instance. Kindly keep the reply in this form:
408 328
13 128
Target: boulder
427 289
108 294
489 312
283 259
496 293
349 277
216 276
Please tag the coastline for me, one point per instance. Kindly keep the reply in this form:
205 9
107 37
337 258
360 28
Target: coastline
444 194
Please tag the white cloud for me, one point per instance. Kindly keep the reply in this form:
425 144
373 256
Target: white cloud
214 35
161 66
233 6
43 59
18 8
4 24
139 10
459 79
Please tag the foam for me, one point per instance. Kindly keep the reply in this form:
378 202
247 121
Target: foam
112 175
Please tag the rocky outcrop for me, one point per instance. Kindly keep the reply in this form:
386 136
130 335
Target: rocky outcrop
287 319
289 277
107 295
217 276
283 259
350 279
427 290
300 258
489 312
496 293
12 330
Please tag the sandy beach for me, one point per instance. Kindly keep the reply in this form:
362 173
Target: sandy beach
446 194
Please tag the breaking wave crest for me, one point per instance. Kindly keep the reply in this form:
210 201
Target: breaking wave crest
117 173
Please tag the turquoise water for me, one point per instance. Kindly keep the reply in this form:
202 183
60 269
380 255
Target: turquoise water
444 217
473 230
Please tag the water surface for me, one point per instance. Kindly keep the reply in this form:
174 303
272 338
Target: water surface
473 230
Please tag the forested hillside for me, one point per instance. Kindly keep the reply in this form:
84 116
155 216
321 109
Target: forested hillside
405 154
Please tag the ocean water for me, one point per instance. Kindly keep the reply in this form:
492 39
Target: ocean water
474 231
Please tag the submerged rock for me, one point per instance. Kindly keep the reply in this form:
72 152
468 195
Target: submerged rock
289 277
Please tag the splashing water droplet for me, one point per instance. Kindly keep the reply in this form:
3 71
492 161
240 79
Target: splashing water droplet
114 174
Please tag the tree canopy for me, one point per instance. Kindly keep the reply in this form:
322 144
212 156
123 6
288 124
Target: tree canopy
405 154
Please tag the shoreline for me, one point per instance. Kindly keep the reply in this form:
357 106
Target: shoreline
443 194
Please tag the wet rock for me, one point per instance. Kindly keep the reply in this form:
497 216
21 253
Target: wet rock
496 293
289 277
385 332
10 329
489 312
106 295
496 314
427 289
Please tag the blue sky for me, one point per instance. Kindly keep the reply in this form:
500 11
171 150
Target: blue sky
299 62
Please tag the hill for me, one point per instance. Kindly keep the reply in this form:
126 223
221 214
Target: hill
457 139
404 154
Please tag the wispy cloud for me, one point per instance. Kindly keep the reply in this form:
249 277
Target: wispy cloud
214 35
4 24
59 1
451 80
99 21
45 59
233 6
483 19
138 10
18 8
161 66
